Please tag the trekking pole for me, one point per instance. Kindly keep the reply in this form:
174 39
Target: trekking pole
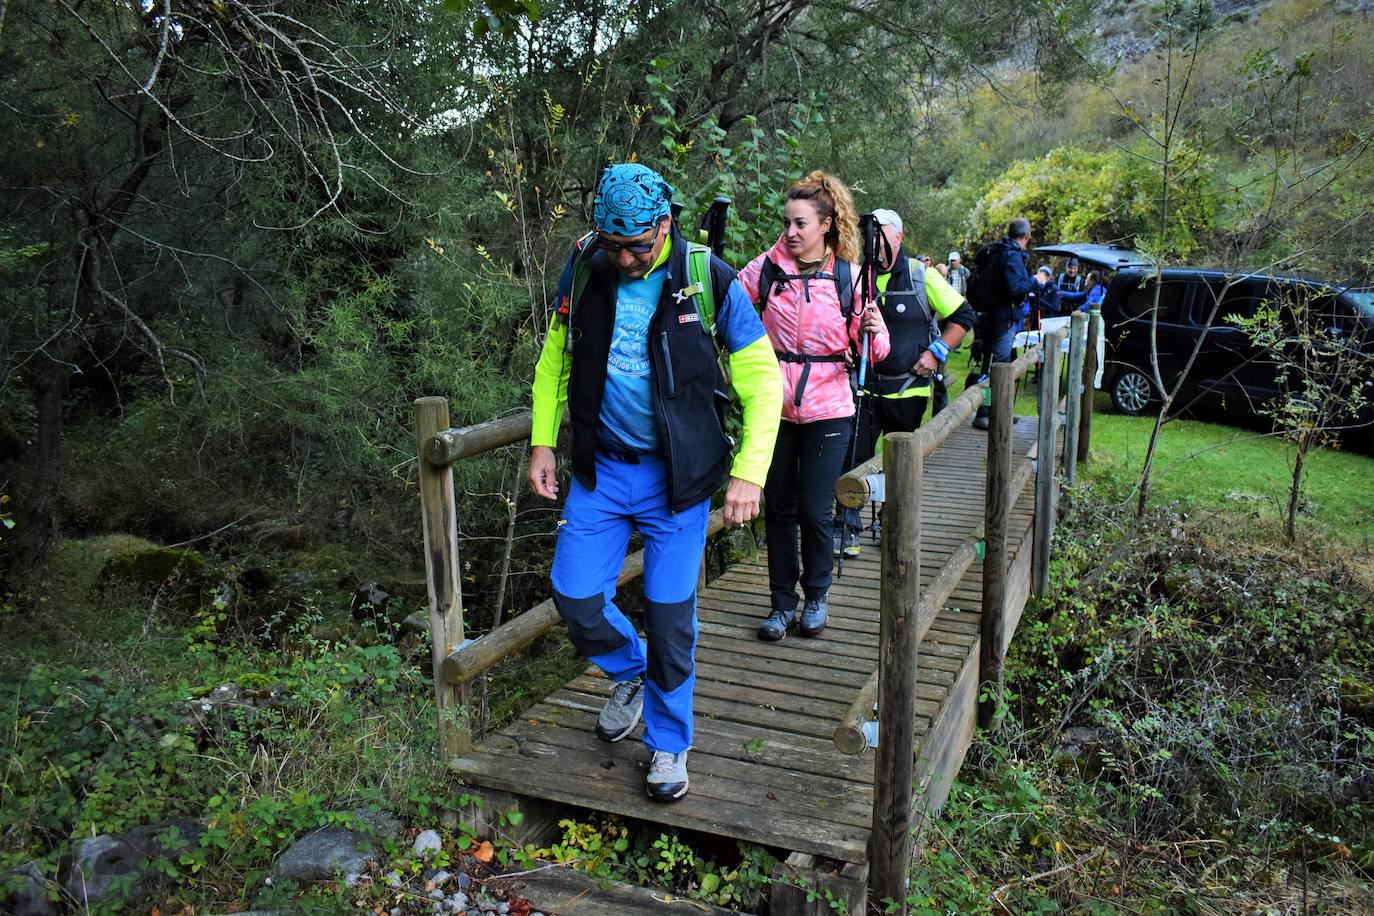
868 291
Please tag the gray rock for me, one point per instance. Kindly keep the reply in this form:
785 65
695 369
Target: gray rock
31 899
440 878
392 878
378 823
463 881
416 624
100 863
338 851
436 894
325 854
428 843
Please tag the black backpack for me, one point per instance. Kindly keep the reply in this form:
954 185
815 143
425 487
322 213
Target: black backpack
983 279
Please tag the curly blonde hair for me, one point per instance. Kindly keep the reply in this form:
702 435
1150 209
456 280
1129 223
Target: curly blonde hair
831 199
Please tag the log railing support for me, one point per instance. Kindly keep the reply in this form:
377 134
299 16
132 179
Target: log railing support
1074 397
1090 367
441 574
1045 484
997 500
898 639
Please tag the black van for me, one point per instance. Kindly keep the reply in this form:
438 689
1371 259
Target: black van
1196 309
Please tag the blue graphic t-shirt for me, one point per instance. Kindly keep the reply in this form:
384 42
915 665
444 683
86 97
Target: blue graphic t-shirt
627 408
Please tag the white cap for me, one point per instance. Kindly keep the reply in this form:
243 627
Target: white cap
954 256
887 217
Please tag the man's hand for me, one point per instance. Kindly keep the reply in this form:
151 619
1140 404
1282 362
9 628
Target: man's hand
926 365
543 471
741 502
872 320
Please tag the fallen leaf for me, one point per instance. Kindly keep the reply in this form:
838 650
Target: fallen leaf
484 853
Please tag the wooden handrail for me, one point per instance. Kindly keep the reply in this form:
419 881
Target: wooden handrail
465 664
853 491
461 442
849 737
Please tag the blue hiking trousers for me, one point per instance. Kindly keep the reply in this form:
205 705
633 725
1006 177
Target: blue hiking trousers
592 537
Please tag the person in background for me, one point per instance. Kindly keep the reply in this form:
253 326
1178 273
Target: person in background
1070 281
1007 288
1043 298
804 287
958 273
1089 298
631 358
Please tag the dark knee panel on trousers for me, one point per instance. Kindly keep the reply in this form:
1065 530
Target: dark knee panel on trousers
588 628
669 628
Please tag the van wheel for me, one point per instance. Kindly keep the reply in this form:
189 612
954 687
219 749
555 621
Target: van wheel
1132 392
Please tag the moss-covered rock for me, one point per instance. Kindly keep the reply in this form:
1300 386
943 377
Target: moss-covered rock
155 567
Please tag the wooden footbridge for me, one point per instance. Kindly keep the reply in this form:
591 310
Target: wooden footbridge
782 757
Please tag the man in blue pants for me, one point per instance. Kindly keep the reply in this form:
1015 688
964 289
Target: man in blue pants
635 360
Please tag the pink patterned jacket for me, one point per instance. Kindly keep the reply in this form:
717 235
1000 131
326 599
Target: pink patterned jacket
804 317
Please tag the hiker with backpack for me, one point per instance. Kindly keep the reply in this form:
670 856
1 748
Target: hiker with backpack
997 287
804 289
634 352
915 301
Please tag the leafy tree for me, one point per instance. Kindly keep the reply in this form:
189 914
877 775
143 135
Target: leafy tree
1108 196
148 148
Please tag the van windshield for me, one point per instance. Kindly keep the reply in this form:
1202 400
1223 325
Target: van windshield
1363 299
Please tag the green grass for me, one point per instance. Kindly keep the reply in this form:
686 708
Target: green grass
1209 467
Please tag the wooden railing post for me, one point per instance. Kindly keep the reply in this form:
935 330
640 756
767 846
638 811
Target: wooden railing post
1090 367
1074 398
997 499
1045 483
441 573
898 638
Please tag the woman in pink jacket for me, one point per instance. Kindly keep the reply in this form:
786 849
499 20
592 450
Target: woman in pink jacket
804 286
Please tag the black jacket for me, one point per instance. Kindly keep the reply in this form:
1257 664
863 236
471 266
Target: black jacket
688 386
1014 280
1045 300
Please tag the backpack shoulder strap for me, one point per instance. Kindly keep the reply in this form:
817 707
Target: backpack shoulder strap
701 276
769 274
574 281
844 286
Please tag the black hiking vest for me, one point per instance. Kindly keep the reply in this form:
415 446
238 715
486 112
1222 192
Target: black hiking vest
687 383
906 310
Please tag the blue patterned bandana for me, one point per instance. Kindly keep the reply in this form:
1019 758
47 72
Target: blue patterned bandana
631 199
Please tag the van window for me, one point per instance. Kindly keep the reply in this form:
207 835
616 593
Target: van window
1142 301
1238 300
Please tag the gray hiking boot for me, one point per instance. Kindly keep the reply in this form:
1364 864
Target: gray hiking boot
621 713
667 779
980 419
777 624
813 616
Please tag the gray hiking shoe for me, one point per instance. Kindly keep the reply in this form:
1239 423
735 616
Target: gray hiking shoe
667 779
777 624
813 616
621 713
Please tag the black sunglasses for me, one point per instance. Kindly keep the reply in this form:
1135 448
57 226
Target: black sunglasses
632 247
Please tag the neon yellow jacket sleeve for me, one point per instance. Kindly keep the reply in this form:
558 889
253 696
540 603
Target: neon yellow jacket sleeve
758 385
550 390
943 298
